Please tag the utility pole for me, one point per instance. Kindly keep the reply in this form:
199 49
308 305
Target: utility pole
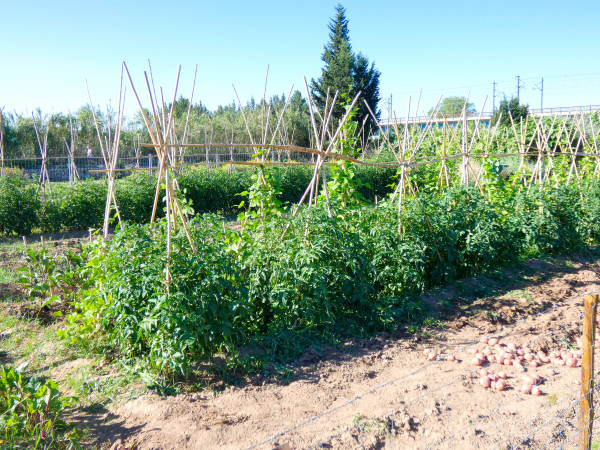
518 88
388 102
541 88
494 98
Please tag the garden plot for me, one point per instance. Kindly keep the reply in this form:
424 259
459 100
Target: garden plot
401 399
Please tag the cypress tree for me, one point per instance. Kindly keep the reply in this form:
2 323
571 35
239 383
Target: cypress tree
346 73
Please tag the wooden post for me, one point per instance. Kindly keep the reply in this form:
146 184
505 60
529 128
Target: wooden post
586 415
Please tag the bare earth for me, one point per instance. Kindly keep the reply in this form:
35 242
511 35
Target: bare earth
384 393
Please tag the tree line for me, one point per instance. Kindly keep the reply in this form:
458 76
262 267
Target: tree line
223 125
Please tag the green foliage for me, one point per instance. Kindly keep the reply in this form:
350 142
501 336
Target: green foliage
343 189
81 206
215 191
366 80
507 109
348 274
37 276
304 284
30 413
54 279
166 325
18 205
262 198
135 197
226 120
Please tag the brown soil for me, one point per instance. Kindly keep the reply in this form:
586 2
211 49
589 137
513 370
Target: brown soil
384 393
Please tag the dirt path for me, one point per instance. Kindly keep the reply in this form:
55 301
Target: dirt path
385 393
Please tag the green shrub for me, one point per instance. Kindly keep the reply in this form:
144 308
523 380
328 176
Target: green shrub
307 282
19 205
135 197
82 205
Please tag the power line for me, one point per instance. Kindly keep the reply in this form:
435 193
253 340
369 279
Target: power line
553 81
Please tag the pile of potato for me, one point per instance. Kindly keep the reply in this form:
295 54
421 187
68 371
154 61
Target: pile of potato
492 351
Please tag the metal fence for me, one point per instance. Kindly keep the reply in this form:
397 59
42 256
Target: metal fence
65 169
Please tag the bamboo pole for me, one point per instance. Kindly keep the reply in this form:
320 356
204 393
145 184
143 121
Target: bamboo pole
586 403
315 186
113 154
403 171
262 109
244 116
96 124
73 167
595 140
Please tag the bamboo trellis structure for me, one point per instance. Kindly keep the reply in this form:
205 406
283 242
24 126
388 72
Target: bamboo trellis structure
462 142
44 180
73 173
163 137
110 153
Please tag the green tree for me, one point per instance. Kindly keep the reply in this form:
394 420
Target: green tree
453 106
346 73
366 80
507 109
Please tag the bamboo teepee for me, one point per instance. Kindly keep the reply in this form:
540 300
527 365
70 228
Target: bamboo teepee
44 179
110 153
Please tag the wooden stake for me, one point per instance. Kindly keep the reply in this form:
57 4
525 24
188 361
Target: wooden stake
586 404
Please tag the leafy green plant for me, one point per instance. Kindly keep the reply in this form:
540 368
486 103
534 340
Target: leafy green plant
51 277
37 276
344 185
30 412
263 203
350 274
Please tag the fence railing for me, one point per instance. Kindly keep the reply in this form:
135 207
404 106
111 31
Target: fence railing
60 168
487 115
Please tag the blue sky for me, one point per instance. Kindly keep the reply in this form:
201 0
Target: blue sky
49 49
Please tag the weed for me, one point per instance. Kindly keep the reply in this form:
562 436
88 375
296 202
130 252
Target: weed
376 426
492 315
521 294
433 323
552 399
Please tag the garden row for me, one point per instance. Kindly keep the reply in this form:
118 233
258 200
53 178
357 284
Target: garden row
24 209
349 274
